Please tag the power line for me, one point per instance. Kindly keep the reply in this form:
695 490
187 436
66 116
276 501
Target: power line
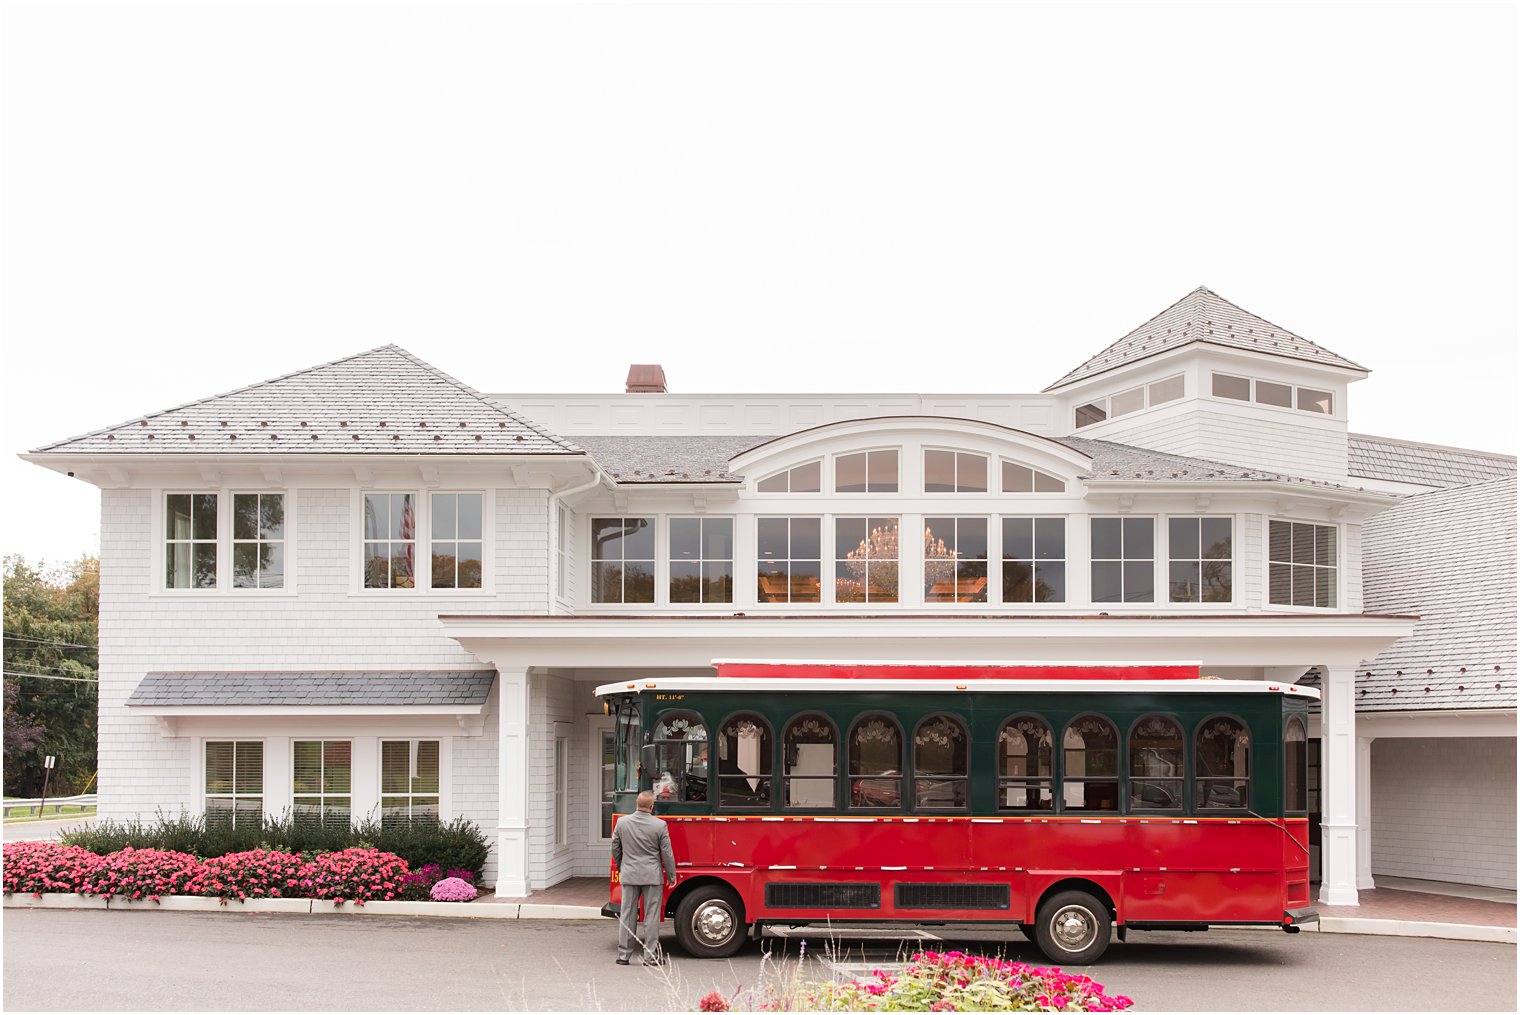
44 641
54 676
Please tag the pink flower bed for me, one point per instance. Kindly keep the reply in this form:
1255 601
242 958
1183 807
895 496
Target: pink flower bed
256 874
453 890
142 874
352 875
39 867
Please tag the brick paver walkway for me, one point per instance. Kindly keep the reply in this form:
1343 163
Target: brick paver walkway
1392 904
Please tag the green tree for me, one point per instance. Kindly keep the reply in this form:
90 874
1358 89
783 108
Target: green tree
52 619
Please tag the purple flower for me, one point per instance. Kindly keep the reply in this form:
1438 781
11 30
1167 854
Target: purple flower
453 890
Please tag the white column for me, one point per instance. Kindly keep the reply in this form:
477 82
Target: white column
1364 813
512 781
1338 788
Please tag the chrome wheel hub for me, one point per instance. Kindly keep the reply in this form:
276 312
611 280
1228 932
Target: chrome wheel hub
714 922
1073 928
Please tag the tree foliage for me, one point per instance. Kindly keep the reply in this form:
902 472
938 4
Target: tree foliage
51 630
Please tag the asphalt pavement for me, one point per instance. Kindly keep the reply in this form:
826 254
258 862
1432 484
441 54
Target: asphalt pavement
60 960
24 831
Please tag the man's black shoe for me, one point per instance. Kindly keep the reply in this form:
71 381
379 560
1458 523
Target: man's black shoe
660 961
622 962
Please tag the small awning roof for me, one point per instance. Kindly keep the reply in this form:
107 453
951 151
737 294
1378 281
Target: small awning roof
313 692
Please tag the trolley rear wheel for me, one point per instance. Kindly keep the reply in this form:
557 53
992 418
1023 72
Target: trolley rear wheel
1073 928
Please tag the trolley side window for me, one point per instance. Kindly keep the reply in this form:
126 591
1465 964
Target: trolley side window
1223 769
744 763
811 760
1156 765
1296 758
1090 765
876 765
680 758
1025 770
940 769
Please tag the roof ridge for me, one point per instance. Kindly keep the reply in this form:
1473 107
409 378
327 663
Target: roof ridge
488 402
1433 447
211 398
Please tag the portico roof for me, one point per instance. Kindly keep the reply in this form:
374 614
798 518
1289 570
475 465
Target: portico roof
658 640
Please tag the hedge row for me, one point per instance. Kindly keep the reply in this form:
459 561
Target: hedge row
452 845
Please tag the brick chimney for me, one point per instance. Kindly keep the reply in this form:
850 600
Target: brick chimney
647 378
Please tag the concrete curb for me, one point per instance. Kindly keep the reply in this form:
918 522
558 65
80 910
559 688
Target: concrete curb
1415 928
320 907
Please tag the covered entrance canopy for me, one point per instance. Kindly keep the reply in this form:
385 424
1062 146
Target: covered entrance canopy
1273 647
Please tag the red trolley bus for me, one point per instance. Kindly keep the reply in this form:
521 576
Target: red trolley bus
1064 799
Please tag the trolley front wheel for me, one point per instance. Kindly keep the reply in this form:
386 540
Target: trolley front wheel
1073 928
710 923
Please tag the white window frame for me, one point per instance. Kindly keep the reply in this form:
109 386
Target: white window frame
1100 404
825 479
904 574
1002 490
662 590
264 770
996 540
1250 398
993 483
1157 586
561 792
1139 389
867 492
485 522
599 724
445 773
1339 567
232 541
1150 390
1235 561
660 571
825 563
423 564
223 553
224 493
921 526
352 770
562 552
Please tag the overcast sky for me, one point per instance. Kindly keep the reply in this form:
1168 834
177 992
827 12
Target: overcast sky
771 198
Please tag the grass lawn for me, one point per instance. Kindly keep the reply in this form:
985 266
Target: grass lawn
52 813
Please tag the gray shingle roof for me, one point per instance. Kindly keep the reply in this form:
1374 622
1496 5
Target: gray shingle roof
692 459
384 401
1448 556
1113 461
1427 464
328 687
1205 316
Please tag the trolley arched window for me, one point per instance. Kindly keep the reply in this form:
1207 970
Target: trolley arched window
810 761
680 749
875 763
1090 765
1296 758
1223 770
744 762
1156 764
940 772
1024 747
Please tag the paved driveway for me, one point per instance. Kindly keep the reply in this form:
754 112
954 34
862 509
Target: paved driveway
21 831
91 960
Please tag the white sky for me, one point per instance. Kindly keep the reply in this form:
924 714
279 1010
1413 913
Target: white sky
776 198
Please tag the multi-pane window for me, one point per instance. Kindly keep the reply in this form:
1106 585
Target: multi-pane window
866 472
190 541
701 560
1025 771
940 771
790 559
1123 560
1156 765
408 779
1090 765
744 762
457 545
322 774
1301 567
258 540
811 764
1200 560
390 541
875 763
622 560
1223 751
955 560
954 472
1274 393
1022 479
806 478
1034 560
680 758
865 560
234 782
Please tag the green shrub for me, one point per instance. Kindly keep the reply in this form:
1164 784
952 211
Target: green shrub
419 841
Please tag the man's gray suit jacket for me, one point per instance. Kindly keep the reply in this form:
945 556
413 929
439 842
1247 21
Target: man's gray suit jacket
640 847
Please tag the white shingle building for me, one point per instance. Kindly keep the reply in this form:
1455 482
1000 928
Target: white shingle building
367 586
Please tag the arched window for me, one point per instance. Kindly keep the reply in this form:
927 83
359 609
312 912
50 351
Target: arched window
1296 757
807 478
1024 765
875 762
1223 768
744 762
811 762
940 772
680 769
1090 765
1156 764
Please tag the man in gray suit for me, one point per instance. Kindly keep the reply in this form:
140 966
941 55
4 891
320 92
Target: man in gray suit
641 850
